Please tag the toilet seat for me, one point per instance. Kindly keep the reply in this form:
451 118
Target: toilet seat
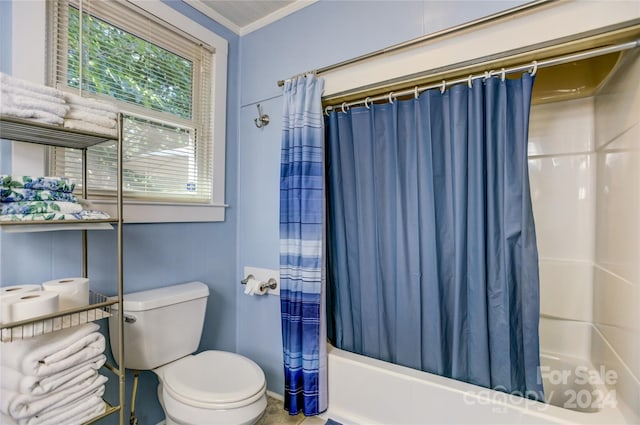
215 380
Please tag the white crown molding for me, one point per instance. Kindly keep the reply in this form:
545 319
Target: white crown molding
262 22
278 14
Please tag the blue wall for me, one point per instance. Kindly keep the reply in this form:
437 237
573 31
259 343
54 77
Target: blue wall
215 253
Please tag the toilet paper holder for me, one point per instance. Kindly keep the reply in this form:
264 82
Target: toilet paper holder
270 284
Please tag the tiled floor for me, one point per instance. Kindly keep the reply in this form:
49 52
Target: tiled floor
276 415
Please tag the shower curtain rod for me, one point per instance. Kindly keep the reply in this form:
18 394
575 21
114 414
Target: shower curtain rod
458 28
531 67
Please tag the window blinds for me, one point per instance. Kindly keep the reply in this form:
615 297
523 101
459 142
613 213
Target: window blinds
160 78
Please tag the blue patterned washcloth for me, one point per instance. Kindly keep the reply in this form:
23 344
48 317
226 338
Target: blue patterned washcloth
39 207
82 215
57 184
20 195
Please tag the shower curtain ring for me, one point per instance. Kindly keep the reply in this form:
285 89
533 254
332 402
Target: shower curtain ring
327 110
488 74
344 107
444 87
469 82
535 68
503 74
415 92
391 98
366 103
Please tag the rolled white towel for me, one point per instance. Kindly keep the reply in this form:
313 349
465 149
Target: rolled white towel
77 412
104 119
53 352
7 80
21 406
32 103
90 127
74 99
40 385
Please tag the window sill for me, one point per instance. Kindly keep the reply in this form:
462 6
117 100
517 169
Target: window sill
155 212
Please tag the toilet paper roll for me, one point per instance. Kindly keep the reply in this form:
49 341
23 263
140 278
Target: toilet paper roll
5 307
7 291
73 291
253 287
29 305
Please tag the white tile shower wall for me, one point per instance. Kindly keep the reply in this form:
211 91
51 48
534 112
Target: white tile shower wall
566 338
618 103
561 127
562 196
618 227
617 277
562 173
566 289
617 316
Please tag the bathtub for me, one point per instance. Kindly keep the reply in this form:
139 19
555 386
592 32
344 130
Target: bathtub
369 391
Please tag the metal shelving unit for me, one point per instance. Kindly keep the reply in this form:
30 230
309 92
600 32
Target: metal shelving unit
100 305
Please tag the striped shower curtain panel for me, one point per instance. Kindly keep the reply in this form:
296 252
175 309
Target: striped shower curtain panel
301 247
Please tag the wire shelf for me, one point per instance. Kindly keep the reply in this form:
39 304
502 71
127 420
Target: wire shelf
99 308
22 130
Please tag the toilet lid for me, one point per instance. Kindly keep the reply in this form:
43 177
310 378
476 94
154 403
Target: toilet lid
215 379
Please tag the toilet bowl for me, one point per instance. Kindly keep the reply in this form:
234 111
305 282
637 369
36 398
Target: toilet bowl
212 387
161 333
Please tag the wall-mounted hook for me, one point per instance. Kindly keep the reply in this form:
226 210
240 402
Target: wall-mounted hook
262 120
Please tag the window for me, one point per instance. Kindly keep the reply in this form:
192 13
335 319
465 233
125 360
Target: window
164 82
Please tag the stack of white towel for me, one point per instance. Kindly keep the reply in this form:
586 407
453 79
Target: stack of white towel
23 99
53 378
90 115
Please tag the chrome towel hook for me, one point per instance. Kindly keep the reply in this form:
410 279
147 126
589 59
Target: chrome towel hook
262 120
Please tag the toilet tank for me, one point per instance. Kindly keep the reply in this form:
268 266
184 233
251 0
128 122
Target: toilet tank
161 325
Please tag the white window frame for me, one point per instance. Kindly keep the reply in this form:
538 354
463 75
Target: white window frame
29 35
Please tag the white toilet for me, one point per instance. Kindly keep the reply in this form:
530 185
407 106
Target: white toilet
161 332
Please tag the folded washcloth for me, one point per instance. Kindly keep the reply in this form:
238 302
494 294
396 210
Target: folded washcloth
74 99
77 412
96 116
82 215
50 353
21 195
39 207
15 381
7 80
90 127
31 114
22 406
60 184
30 103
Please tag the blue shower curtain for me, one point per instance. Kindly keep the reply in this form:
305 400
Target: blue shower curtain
432 251
302 295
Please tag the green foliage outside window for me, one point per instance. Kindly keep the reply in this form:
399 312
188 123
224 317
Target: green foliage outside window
128 68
